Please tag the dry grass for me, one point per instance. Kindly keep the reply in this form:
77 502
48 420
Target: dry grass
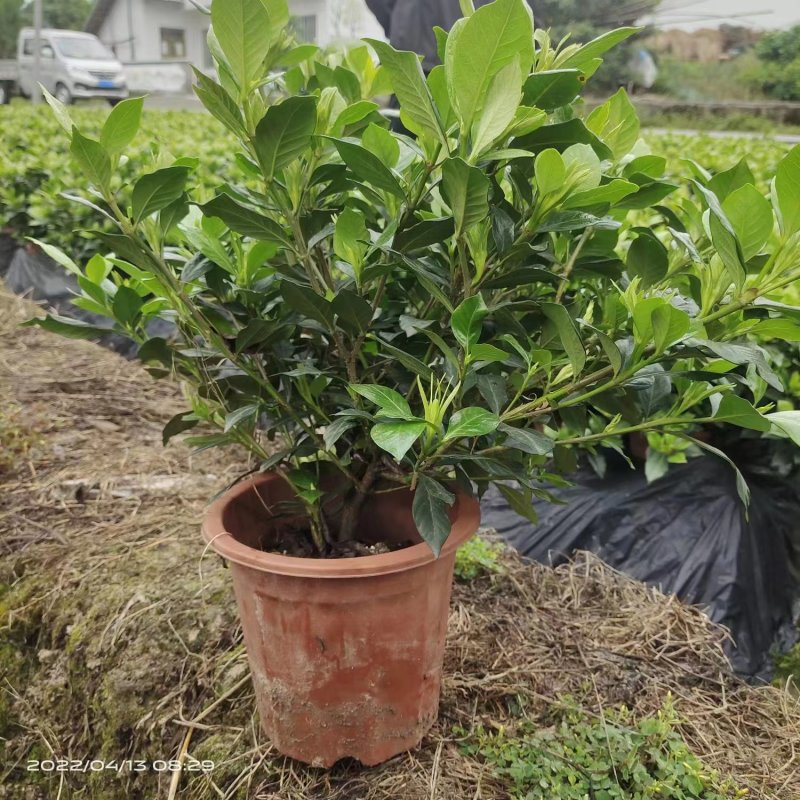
122 647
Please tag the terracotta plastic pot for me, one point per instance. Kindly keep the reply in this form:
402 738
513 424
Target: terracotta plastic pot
346 654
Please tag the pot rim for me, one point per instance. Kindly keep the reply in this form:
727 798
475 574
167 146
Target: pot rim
223 542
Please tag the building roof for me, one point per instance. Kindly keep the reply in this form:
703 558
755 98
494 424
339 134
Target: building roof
98 15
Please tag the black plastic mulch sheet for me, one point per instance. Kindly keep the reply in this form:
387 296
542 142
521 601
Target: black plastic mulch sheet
688 534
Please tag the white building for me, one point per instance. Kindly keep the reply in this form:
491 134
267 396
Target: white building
148 31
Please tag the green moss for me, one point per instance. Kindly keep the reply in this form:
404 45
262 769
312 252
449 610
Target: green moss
478 557
612 757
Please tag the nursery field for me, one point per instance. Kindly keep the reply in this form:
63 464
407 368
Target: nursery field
35 165
150 668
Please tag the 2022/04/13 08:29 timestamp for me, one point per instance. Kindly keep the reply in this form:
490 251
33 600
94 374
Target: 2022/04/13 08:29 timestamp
119 766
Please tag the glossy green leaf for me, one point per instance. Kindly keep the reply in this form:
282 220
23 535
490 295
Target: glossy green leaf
390 403
466 189
550 171
551 89
738 411
243 220
528 440
568 335
92 158
368 167
408 82
469 422
489 40
245 30
467 321
157 190
430 511
787 191
616 123
122 124
284 132
648 259
788 423
750 215
397 438
218 102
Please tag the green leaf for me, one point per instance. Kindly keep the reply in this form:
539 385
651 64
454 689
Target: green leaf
568 335
397 437
180 423
218 103
354 113
528 440
60 111
742 488
611 192
521 502
499 109
246 30
724 237
787 191
616 123
337 429
729 180
127 305
669 325
562 135
244 220
93 159
429 509
408 83
354 312
122 124
550 171
583 59
469 422
788 423
368 167
489 40
236 418
466 190
391 403
551 89
284 132
750 215
467 321
381 143
648 259
488 353
350 239
64 326
308 302
157 190
492 389
424 234
58 256
738 411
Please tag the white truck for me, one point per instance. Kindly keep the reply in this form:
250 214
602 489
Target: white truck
72 66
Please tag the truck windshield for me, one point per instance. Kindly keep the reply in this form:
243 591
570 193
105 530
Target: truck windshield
82 47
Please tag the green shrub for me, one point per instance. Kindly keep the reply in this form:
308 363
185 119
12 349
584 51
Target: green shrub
478 557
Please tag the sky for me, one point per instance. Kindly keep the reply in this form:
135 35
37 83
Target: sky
694 14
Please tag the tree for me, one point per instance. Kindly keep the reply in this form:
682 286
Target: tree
779 53
10 23
70 14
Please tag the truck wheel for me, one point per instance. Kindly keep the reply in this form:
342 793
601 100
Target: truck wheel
63 94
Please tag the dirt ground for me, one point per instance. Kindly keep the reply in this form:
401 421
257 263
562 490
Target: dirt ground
118 634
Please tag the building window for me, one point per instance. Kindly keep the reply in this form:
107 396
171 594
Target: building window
305 27
173 43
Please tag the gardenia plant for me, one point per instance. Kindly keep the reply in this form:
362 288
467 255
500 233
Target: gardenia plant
470 304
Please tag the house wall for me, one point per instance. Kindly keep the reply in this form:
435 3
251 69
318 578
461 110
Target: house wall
142 21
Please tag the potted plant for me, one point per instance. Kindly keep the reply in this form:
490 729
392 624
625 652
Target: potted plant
390 323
